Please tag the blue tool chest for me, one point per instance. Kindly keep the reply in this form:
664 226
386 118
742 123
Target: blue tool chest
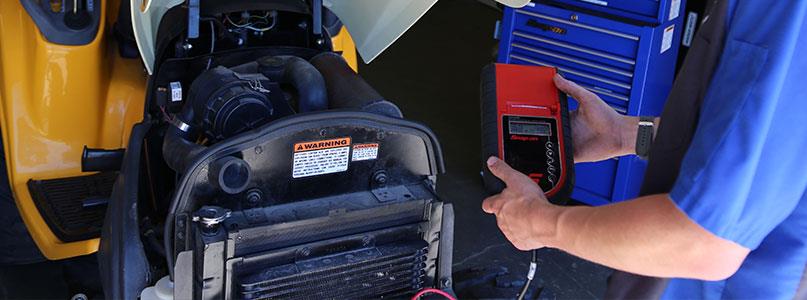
630 65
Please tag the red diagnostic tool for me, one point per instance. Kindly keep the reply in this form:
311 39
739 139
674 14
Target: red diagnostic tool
525 122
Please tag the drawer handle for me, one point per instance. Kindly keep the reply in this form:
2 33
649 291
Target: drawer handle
601 92
577 61
567 46
592 28
619 109
600 79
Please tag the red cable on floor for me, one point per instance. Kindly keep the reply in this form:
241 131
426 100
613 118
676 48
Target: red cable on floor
435 291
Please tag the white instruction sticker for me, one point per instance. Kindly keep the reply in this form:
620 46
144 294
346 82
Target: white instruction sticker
176 91
365 151
667 38
689 29
320 157
675 9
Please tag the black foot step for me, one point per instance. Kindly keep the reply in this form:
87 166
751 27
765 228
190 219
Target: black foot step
73 207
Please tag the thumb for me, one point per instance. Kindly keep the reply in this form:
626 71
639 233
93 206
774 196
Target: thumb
503 171
493 204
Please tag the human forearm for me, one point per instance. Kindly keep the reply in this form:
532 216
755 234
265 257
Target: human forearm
647 236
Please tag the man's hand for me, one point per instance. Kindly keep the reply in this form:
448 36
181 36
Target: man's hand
522 211
598 131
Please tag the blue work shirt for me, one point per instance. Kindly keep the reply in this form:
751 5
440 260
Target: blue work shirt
744 177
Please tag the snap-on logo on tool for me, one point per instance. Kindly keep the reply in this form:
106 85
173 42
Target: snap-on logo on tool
318 145
523 138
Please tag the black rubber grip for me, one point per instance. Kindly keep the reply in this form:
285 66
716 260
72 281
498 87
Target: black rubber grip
490 128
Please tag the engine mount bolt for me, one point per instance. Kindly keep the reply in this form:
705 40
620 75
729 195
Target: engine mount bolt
380 177
254 197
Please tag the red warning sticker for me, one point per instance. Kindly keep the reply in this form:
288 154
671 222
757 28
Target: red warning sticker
365 151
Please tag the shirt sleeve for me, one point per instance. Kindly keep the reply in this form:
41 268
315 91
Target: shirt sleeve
745 171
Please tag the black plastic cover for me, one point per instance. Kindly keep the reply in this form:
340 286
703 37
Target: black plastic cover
407 151
121 257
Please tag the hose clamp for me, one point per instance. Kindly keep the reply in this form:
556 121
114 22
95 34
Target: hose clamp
184 127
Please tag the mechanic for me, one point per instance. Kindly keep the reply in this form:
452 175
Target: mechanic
724 211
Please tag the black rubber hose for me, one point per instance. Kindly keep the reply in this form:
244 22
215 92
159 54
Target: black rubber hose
177 149
346 89
100 160
301 75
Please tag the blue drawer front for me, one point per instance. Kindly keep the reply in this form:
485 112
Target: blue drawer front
557 24
595 181
647 11
624 64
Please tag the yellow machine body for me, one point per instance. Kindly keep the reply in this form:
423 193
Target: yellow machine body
56 99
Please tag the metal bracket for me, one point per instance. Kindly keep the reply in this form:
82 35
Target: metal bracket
390 194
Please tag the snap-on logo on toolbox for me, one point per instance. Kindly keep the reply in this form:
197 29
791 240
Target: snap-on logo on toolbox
546 27
308 146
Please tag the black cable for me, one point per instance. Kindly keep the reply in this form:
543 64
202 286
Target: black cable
212 44
530 274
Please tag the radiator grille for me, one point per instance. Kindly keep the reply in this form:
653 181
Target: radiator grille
386 271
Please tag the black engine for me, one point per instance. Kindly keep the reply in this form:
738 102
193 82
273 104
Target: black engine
278 171
336 202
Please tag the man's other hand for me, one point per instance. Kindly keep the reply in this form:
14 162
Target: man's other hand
522 211
598 131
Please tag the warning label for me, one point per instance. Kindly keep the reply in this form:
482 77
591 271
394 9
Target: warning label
321 157
365 151
667 38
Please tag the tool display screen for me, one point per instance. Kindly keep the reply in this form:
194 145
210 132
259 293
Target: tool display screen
532 147
530 128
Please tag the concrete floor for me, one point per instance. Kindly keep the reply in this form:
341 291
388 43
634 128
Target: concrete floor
432 73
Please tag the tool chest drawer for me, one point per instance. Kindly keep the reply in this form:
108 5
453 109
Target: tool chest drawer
628 65
600 177
579 29
646 11
581 74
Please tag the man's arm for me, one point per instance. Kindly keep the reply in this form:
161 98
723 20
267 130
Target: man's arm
648 236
